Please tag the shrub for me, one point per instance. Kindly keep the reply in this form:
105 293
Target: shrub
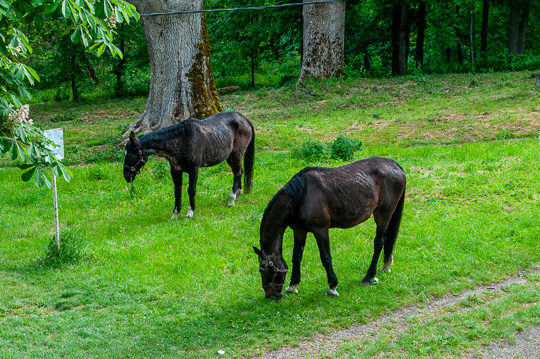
344 148
310 151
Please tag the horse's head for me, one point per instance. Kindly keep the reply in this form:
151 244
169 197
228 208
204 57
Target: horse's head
134 159
273 274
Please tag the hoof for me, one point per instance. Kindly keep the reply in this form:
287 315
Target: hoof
332 293
174 215
232 198
291 289
369 282
189 213
386 268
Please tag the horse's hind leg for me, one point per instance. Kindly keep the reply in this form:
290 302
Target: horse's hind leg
235 161
192 189
391 235
378 243
298 252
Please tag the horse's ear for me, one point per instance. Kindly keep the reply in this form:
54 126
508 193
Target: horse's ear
257 251
132 137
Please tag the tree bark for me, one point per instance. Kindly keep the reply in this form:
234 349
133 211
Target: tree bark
537 84
400 39
485 23
471 37
523 24
181 81
519 20
420 34
323 40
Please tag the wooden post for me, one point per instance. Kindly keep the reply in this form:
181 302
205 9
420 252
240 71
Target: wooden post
55 204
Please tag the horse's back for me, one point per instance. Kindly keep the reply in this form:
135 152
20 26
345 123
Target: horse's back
349 194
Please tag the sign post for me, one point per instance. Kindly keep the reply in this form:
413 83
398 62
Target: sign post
57 136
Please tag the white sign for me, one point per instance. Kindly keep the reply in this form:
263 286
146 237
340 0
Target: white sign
57 136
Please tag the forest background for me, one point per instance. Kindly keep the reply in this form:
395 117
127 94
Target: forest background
263 48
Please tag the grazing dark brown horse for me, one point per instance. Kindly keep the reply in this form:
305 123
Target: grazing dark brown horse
319 198
193 144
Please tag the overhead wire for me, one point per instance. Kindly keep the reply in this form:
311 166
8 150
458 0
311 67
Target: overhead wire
238 9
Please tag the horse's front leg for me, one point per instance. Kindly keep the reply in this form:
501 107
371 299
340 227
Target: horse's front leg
323 241
298 252
177 180
192 189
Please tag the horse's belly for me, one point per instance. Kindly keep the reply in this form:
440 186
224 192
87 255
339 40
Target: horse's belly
348 218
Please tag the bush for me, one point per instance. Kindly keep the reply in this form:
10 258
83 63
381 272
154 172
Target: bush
311 151
342 148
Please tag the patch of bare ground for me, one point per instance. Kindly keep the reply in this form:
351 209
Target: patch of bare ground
527 343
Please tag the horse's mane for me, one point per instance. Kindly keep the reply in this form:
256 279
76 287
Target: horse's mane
291 188
184 128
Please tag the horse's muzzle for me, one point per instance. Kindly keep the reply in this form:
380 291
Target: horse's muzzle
129 177
273 292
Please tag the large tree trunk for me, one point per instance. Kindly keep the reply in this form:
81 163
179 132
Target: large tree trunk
537 84
519 19
182 82
400 39
323 40
485 23
421 25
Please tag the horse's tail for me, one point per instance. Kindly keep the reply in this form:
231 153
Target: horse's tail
393 228
249 158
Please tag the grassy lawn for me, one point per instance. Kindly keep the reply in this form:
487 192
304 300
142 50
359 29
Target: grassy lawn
149 286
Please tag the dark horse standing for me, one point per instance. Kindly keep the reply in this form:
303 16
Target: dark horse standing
319 198
193 144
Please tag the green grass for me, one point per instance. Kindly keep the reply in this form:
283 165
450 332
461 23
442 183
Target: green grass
148 286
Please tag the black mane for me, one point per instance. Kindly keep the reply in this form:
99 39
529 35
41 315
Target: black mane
184 128
291 188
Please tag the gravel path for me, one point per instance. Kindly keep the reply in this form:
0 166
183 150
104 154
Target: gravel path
527 344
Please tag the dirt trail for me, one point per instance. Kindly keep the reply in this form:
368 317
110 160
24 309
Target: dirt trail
527 344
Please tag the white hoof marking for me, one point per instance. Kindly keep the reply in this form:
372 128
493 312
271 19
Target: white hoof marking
386 268
292 289
333 293
189 213
175 214
232 198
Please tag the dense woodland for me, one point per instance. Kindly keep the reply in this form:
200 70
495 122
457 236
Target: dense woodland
264 47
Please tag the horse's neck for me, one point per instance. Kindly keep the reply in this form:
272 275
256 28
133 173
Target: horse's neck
274 223
153 146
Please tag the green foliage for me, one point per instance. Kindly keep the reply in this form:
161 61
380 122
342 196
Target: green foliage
90 24
342 148
72 251
33 151
310 151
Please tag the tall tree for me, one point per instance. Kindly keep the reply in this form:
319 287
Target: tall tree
323 40
421 25
519 21
181 83
485 27
400 38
